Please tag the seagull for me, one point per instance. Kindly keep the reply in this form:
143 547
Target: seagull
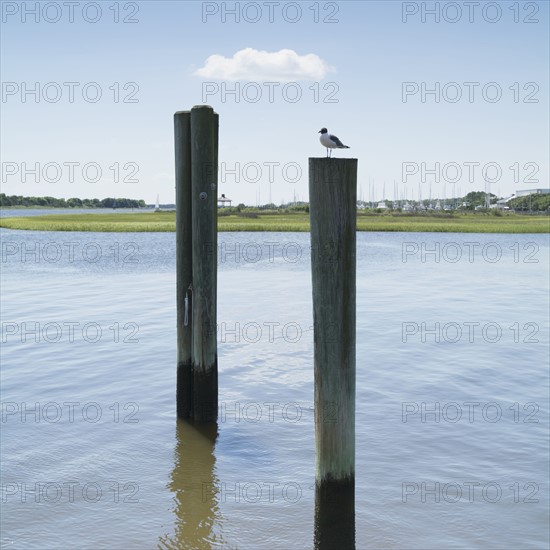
330 141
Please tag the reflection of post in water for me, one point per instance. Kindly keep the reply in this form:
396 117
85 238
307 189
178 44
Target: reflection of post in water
195 487
333 213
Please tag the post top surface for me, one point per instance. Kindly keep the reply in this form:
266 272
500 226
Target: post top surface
332 159
202 107
195 108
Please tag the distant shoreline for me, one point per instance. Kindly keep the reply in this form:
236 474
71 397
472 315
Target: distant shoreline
37 207
165 221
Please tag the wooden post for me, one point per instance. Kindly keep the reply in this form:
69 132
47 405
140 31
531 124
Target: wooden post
196 149
184 263
204 194
333 216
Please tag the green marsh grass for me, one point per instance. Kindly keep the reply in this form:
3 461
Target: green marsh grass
166 222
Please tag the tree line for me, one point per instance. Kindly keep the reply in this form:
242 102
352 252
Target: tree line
53 202
535 202
528 203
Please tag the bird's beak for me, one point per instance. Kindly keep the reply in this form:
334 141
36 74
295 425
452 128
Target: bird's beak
319 132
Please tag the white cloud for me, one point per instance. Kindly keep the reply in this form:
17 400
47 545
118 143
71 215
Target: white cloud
250 64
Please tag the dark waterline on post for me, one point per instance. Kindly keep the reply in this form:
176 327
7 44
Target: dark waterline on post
335 515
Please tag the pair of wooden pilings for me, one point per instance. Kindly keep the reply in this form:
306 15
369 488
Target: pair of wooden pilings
333 214
196 150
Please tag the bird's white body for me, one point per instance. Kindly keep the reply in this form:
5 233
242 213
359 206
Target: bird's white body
326 141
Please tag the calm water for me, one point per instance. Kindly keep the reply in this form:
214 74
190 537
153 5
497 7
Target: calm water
452 394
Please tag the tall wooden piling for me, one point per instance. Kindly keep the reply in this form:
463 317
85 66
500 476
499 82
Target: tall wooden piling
204 199
333 216
184 264
196 148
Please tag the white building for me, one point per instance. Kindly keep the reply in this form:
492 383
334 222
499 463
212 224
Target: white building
523 192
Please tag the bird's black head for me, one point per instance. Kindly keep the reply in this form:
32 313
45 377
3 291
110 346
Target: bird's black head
322 131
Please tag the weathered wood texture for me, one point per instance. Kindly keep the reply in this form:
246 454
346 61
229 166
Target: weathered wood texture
196 149
184 263
333 215
204 194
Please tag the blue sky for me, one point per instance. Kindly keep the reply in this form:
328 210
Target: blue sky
369 50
